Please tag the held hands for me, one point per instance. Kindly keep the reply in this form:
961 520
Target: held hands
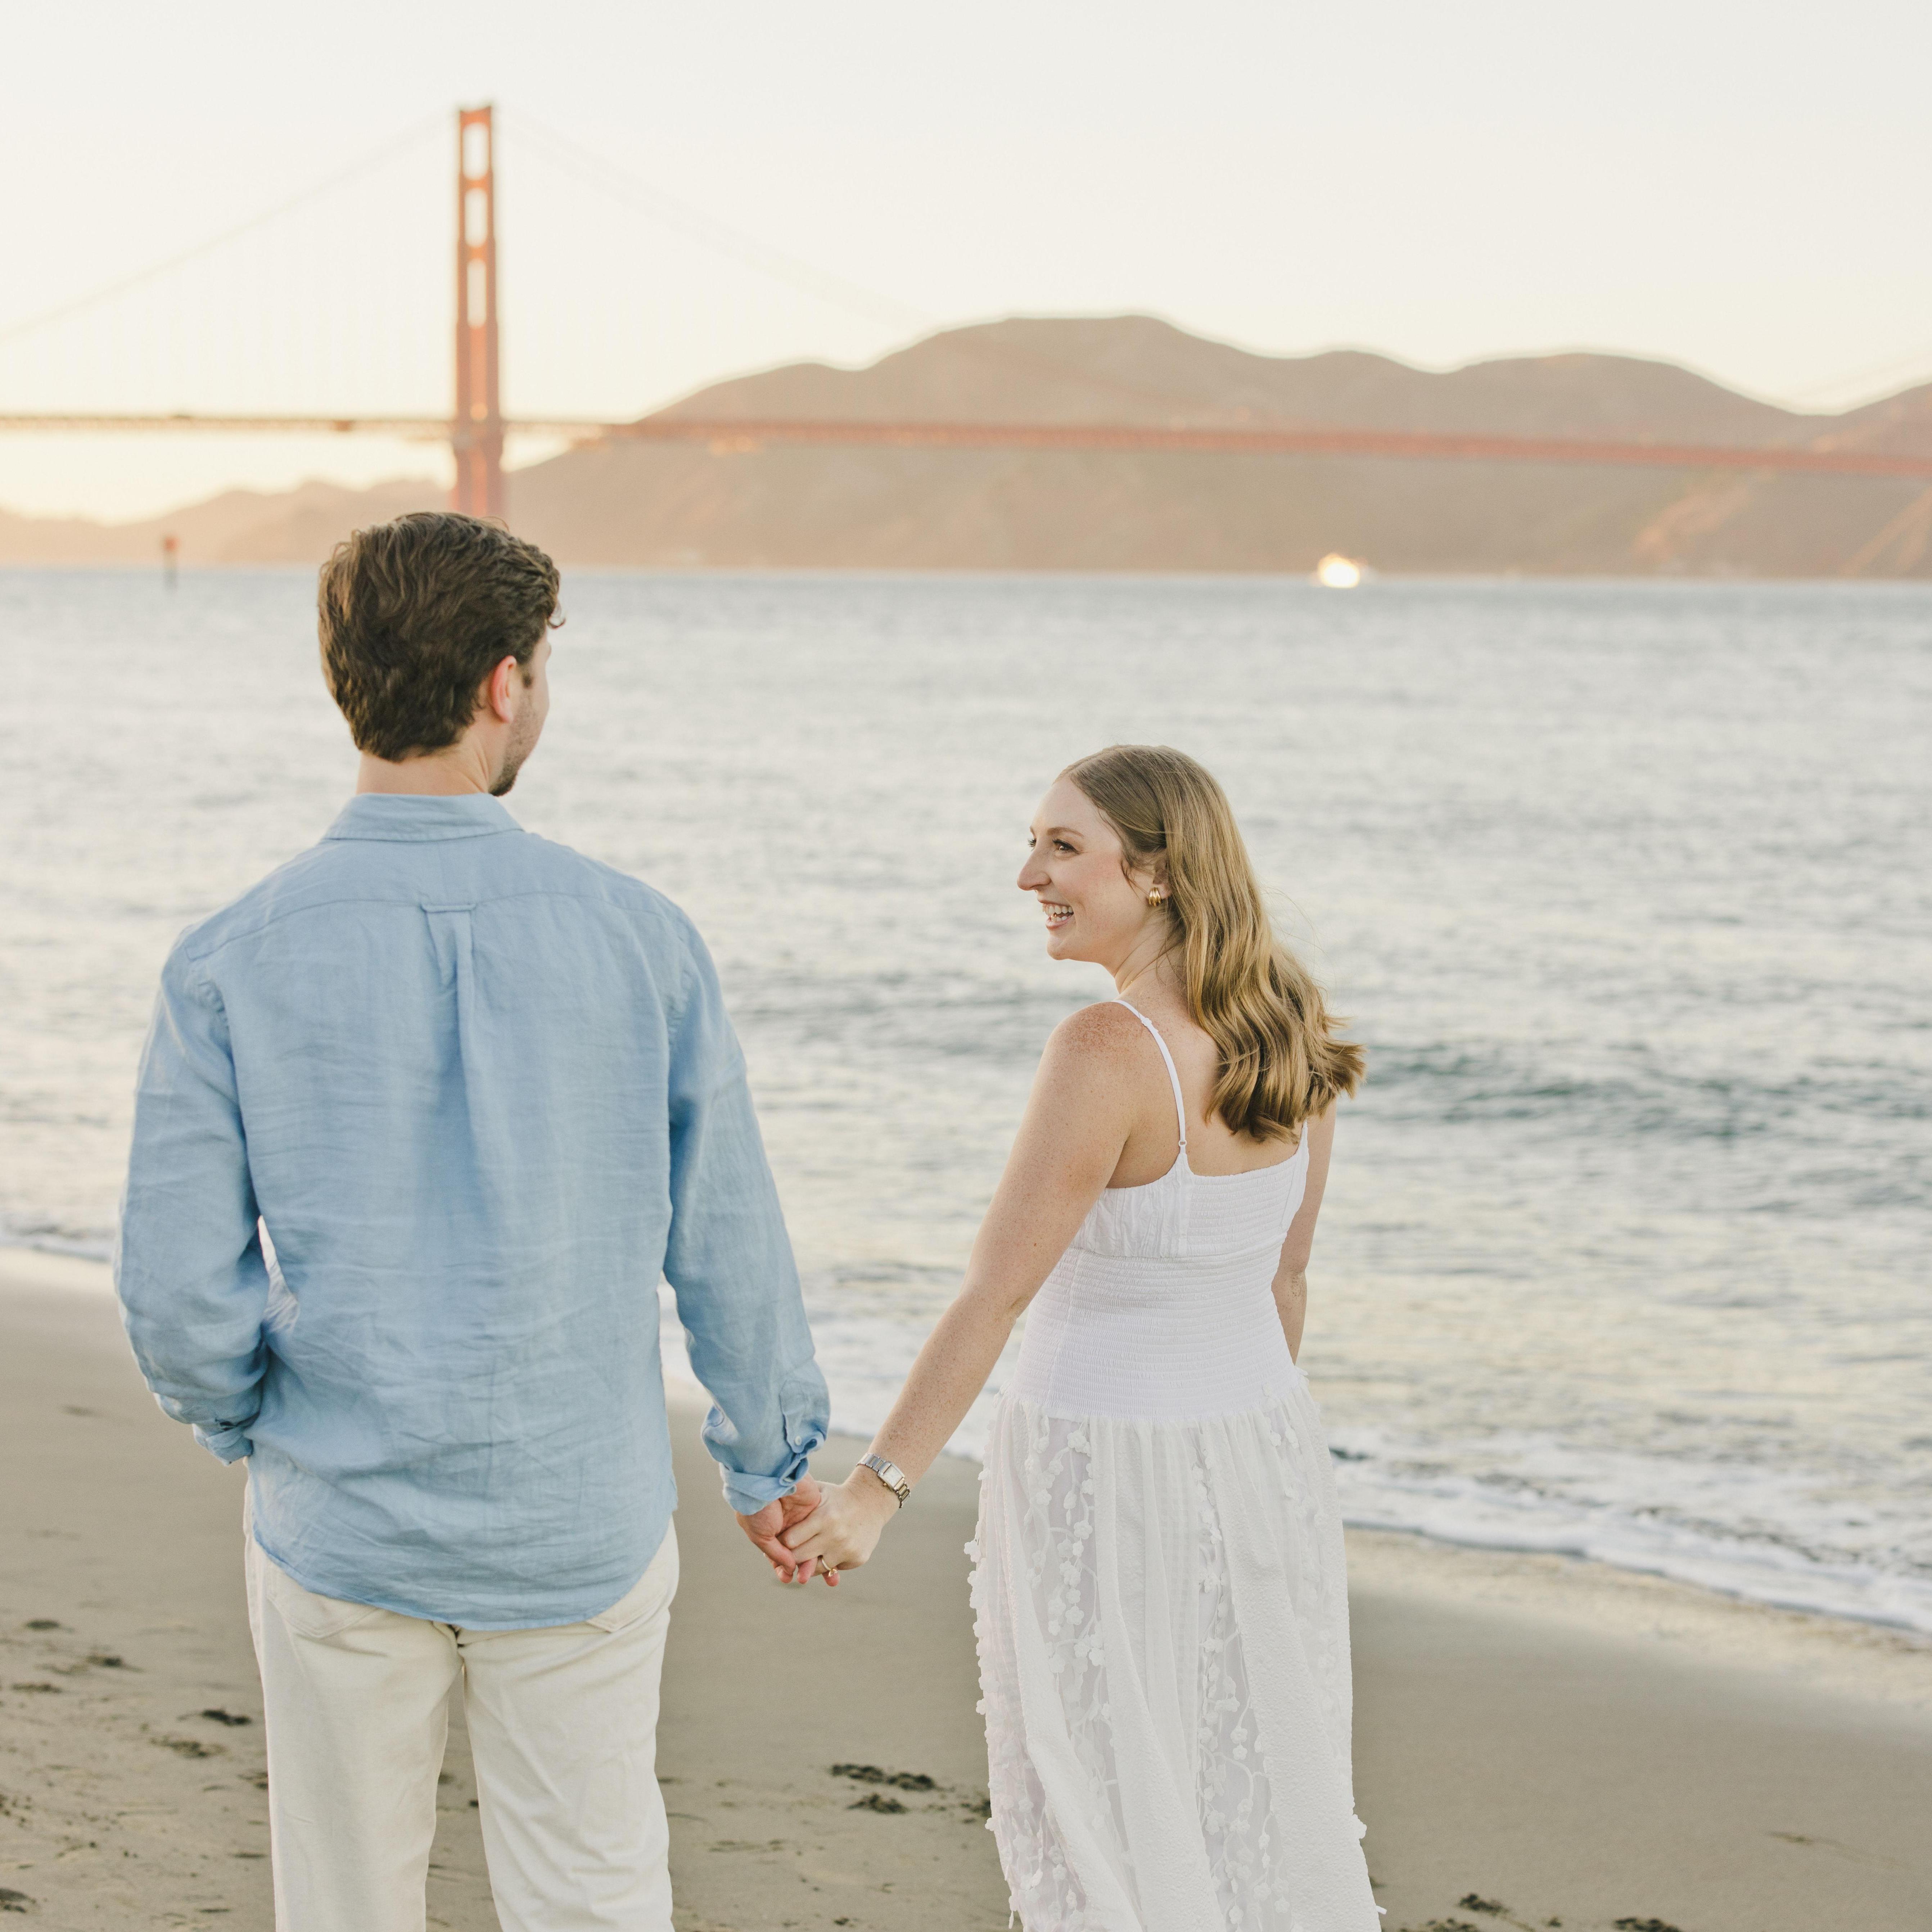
765 1527
844 1531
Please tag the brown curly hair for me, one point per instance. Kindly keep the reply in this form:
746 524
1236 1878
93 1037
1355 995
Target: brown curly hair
416 613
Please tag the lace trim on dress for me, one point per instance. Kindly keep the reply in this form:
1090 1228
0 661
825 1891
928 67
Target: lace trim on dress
1105 1582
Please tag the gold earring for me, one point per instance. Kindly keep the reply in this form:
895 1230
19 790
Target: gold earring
1156 898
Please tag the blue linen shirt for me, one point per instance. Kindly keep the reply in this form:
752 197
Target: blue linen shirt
480 1092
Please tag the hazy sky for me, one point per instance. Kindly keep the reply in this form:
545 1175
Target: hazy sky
1739 187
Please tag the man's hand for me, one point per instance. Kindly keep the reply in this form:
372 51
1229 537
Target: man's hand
765 1527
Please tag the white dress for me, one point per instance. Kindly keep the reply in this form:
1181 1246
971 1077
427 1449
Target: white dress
1162 1610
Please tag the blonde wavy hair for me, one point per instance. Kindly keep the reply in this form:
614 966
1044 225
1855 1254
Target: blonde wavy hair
1281 1059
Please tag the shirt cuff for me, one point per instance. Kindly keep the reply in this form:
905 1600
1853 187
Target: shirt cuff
226 1442
748 1494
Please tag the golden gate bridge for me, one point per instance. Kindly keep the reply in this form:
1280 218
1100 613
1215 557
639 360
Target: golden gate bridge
476 428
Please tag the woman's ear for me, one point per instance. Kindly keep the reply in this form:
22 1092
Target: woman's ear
1149 880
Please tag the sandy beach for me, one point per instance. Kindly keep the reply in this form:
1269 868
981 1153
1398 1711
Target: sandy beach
1541 1743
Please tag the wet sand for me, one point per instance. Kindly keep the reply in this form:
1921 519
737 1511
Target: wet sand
1538 1741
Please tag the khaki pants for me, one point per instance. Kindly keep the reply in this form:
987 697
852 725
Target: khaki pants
562 1724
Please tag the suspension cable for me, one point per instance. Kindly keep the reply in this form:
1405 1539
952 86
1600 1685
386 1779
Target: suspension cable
75 304
701 225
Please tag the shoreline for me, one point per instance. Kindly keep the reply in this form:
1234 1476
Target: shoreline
1498 1573
1845 1656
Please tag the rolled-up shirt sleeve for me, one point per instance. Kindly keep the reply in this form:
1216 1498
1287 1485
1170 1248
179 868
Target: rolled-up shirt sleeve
189 1267
729 1260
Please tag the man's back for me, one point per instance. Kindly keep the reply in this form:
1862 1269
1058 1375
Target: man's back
480 1091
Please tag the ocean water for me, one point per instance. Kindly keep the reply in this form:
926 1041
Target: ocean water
1626 889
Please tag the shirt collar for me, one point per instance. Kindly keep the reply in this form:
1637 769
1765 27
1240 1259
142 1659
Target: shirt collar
407 817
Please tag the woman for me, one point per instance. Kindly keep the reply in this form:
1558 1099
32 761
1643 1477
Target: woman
1162 1614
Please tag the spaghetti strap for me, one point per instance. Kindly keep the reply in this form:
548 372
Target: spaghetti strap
1174 1078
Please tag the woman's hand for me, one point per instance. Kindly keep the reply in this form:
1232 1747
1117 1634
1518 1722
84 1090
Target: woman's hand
843 1530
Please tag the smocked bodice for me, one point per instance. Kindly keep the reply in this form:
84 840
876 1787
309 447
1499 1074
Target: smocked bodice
1161 1308
1188 1217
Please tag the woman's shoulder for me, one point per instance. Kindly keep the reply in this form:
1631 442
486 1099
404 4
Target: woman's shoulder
1106 1031
1098 1040
1095 1067
1103 1047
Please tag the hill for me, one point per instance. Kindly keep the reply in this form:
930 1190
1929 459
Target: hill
633 503
299 526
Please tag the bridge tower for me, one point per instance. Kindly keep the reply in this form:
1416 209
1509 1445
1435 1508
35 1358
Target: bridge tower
476 434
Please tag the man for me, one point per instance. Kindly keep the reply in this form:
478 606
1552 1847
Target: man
421 1120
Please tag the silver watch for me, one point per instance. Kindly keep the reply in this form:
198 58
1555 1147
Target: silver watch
890 1473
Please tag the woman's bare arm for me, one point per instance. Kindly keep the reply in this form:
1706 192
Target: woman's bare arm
1291 1276
1085 1096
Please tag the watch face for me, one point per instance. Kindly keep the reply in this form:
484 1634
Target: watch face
890 1473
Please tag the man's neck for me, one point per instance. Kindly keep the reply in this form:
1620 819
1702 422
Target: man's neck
451 774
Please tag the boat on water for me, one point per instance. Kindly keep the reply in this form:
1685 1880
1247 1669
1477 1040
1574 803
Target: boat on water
1337 572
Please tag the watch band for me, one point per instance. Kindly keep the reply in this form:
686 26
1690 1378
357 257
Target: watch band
890 1473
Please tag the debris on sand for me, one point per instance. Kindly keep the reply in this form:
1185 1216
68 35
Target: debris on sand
900 1780
191 1747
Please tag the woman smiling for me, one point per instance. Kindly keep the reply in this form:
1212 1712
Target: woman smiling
1162 1611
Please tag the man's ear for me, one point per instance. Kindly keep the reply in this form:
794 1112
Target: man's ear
498 693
